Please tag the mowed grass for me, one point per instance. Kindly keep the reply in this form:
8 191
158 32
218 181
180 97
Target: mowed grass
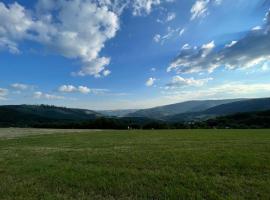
172 164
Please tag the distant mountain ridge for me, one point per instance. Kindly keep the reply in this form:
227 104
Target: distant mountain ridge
248 105
163 116
162 112
117 113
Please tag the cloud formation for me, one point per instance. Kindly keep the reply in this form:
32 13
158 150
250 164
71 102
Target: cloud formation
150 82
64 28
20 86
141 7
74 29
73 89
41 95
178 81
171 32
144 7
250 51
200 8
3 93
223 91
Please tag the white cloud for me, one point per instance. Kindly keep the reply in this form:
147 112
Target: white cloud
256 28
106 72
67 88
63 27
144 7
265 67
157 38
253 50
186 46
207 48
182 31
72 89
14 23
41 95
170 34
178 81
84 89
3 93
68 31
200 8
224 91
74 29
231 44
20 86
141 7
170 17
218 2
150 82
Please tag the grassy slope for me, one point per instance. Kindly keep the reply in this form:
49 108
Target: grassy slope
188 164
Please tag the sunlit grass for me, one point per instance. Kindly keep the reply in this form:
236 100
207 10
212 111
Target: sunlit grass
179 164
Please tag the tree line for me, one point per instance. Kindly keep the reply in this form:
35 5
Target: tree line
236 121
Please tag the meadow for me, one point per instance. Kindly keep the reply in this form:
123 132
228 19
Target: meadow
167 164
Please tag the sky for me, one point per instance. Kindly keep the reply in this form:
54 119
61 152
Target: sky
130 54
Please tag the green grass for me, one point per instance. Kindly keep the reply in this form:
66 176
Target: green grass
180 164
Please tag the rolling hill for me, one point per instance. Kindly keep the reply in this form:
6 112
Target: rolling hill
116 113
159 117
250 105
24 114
162 112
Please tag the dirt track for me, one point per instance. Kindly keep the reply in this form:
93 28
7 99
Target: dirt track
19 132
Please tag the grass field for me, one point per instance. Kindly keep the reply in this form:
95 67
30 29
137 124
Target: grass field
179 164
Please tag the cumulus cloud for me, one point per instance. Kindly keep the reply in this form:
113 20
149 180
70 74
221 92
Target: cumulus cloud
72 89
14 23
250 51
178 81
63 27
150 82
41 95
3 93
20 86
106 72
74 29
84 89
157 38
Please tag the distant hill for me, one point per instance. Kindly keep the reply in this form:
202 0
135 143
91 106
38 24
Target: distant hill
191 112
250 105
117 113
27 114
162 112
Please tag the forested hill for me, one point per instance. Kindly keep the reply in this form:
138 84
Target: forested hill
27 114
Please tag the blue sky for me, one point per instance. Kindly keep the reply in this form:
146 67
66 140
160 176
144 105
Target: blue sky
119 54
